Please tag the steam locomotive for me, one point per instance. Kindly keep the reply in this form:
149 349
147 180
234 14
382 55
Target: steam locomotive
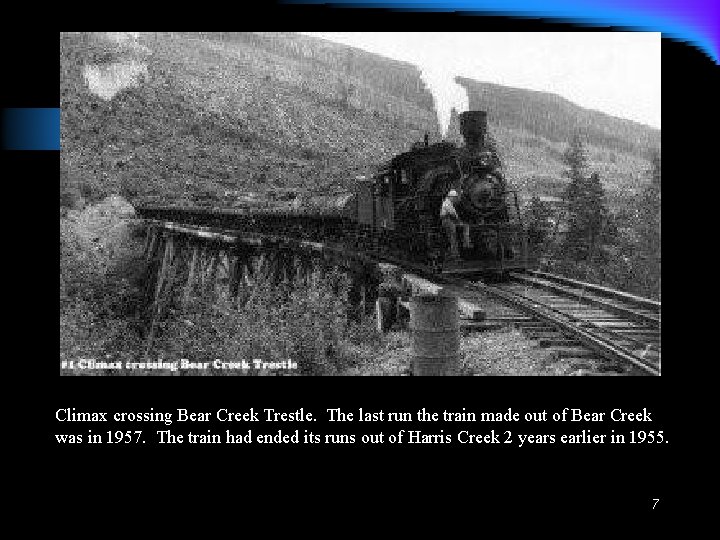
399 207
396 212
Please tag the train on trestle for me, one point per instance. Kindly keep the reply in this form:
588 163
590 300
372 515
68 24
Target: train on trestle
396 213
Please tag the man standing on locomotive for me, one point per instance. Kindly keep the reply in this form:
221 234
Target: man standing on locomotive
451 220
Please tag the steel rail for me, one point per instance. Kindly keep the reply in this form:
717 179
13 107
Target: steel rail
609 306
564 322
646 303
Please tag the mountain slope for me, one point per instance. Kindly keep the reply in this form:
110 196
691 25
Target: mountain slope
211 113
556 119
533 129
215 115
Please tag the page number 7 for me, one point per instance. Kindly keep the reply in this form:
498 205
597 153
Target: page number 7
655 503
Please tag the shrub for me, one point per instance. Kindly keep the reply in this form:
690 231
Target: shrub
299 321
99 298
307 321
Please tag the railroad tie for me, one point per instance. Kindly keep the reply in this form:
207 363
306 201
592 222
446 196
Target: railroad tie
558 342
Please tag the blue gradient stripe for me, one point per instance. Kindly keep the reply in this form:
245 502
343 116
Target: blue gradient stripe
31 129
694 21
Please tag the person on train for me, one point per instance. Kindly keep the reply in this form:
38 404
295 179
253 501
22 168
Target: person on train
451 221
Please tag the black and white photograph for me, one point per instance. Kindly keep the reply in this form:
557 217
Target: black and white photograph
360 203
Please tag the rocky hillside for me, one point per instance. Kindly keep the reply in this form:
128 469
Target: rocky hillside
191 117
213 115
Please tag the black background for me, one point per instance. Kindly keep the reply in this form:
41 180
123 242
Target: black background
429 482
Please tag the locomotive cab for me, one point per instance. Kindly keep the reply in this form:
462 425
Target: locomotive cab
388 193
375 200
400 205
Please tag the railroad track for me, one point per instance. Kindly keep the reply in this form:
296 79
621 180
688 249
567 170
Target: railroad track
581 320
577 320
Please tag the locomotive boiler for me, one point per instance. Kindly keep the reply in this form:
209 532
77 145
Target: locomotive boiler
399 207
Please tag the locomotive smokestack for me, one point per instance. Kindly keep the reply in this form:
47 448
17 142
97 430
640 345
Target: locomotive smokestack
473 126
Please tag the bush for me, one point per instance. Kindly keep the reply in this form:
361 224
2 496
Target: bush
303 322
99 298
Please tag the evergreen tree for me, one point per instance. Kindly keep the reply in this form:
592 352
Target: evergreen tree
538 220
587 213
576 159
597 217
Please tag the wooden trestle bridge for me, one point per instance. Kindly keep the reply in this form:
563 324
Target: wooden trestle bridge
184 261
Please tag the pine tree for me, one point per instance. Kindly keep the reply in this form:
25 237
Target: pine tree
587 214
576 160
597 215
537 217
